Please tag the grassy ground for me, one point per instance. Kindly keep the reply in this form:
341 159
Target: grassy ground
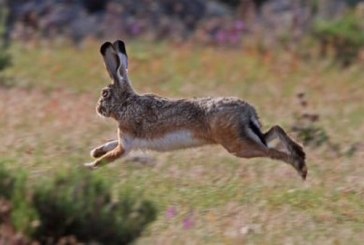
204 195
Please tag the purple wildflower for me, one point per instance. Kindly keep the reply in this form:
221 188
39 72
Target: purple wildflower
189 222
171 213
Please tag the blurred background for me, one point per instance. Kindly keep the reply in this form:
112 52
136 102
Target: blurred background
299 62
224 23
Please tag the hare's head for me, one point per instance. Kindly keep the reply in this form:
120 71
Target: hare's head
115 94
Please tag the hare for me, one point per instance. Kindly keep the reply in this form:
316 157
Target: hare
155 123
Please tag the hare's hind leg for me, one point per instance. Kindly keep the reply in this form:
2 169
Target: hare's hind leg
108 157
250 148
293 149
103 149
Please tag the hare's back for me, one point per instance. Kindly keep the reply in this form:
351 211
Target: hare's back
228 108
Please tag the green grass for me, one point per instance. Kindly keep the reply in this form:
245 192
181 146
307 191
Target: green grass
48 122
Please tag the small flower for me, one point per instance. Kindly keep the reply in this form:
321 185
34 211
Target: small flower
171 213
189 222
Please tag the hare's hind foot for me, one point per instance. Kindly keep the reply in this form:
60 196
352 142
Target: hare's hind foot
298 156
258 151
296 162
301 168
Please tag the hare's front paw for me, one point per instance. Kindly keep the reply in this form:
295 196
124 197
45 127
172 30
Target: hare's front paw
90 165
98 152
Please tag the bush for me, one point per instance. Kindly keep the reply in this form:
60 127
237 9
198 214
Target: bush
345 36
81 205
4 55
7 182
4 59
13 191
75 204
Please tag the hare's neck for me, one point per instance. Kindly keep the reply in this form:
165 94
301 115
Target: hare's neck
120 109
128 92
128 87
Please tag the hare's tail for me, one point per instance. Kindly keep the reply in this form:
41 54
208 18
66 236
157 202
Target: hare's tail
255 128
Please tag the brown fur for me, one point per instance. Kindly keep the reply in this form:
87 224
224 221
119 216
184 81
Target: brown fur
152 119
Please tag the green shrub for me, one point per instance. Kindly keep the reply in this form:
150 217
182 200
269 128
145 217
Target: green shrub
77 204
4 55
7 182
81 205
13 189
23 214
345 36
4 59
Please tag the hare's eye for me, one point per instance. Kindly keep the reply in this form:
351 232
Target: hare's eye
105 93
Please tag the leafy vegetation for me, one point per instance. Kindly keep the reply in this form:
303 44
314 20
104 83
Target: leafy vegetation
82 205
345 36
4 55
75 204
7 182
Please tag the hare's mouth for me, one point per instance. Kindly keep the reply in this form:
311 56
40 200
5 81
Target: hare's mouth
102 111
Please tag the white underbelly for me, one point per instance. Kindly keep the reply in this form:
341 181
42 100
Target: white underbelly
171 141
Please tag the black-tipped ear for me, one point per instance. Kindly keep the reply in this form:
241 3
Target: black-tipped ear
111 59
119 46
104 46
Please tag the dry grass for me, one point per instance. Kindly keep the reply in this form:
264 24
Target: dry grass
205 196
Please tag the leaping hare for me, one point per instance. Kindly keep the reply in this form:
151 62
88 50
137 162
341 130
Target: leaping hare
152 122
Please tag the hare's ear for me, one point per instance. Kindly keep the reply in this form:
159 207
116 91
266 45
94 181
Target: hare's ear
120 49
111 59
